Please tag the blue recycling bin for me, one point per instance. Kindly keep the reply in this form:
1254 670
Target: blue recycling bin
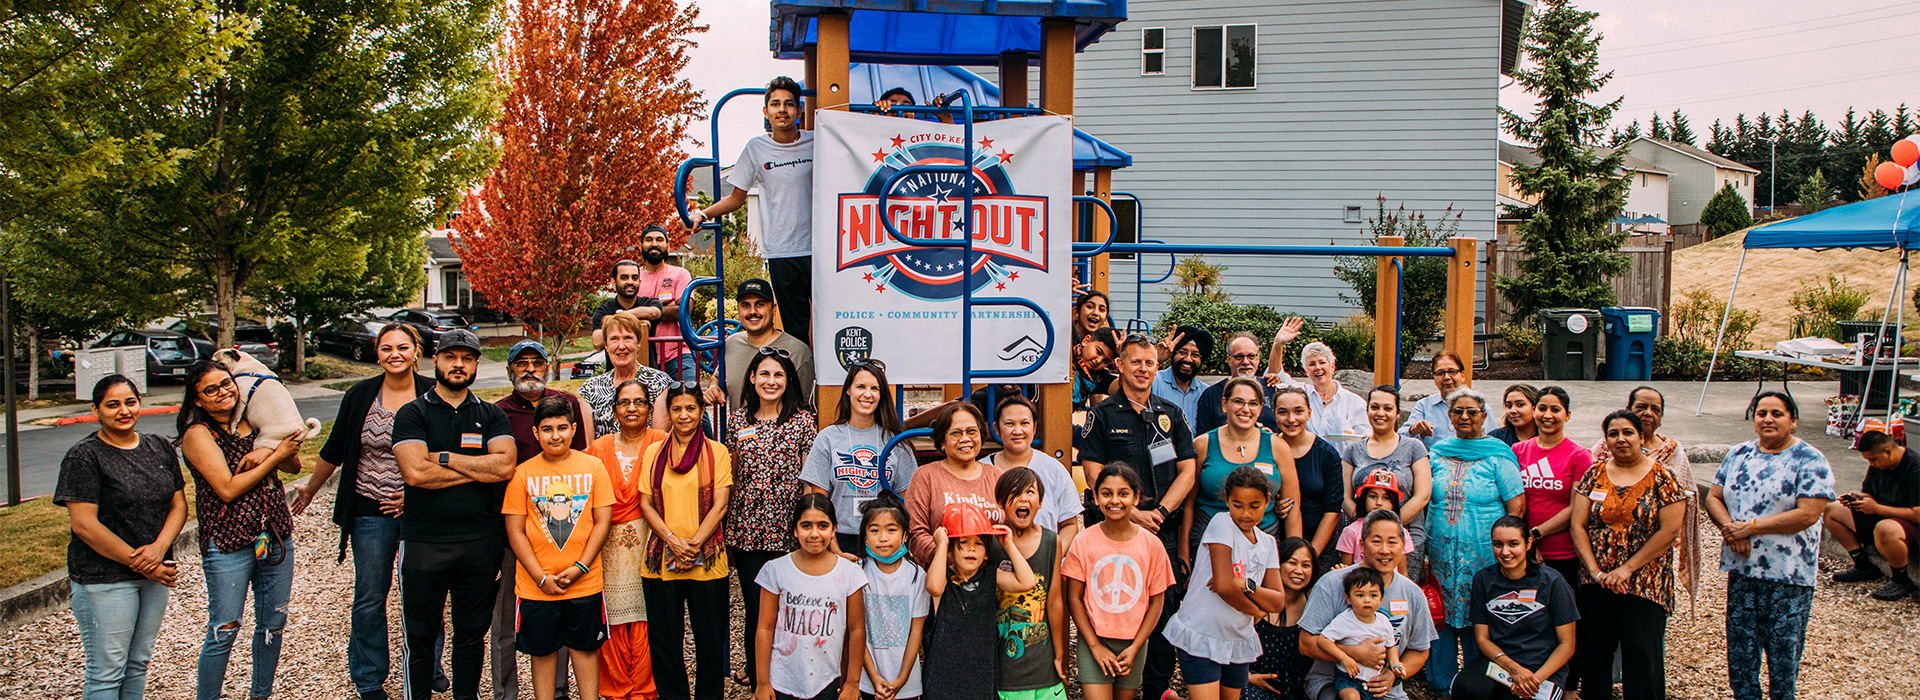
1630 332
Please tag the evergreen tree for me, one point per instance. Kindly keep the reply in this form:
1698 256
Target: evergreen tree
1727 212
1569 238
1813 194
1657 129
1679 130
1622 137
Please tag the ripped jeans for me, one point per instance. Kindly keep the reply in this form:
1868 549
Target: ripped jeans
229 576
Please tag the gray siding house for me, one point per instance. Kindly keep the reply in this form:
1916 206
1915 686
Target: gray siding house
1280 121
1697 175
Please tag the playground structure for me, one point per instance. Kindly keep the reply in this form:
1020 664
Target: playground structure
1013 36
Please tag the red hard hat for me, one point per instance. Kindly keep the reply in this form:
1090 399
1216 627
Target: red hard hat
1380 479
968 520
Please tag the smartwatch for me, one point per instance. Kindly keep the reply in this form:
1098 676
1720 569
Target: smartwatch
1162 510
444 457
1534 533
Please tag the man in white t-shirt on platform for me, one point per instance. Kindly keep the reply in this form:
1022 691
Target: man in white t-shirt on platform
781 165
663 282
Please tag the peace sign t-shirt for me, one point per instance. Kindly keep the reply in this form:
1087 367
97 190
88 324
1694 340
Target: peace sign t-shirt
1119 578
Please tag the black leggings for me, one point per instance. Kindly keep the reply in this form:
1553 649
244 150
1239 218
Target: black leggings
747 564
670 606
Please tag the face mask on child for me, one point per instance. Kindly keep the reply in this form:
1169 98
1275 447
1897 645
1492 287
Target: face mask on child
897 553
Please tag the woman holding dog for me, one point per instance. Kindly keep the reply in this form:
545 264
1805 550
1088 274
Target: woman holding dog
368 504
245 527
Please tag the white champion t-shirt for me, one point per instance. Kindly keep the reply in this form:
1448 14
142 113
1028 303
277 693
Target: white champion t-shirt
784 174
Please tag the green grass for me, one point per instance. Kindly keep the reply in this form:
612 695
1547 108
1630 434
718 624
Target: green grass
34 534
573 345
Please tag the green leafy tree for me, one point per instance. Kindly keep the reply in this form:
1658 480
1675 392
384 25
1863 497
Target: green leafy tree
1423 280
1814 194
340 122
79 287
1569 238
347 280
1727 212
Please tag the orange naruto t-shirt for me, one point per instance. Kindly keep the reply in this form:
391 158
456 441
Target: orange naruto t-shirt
558 502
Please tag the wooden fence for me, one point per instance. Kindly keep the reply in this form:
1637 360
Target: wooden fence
1648 280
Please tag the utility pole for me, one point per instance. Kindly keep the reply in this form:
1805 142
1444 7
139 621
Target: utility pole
13 408
1773 176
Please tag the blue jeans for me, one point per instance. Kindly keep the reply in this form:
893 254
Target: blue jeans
375 541
229 576
1454 648
118 622
682 368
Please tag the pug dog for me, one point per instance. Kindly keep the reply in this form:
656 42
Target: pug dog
264 401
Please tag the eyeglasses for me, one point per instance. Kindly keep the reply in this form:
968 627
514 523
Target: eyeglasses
224 386
964 432
528 364
1447 372
1139 338
781 352
630 403
1464 412
1243 403
1244 356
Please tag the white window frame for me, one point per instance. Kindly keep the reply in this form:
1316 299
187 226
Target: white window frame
1144 51
1194 67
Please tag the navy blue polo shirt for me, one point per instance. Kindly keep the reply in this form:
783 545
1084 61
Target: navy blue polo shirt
462 512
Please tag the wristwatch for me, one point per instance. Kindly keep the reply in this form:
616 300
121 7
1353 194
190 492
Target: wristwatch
1535 533
1162 510
444 457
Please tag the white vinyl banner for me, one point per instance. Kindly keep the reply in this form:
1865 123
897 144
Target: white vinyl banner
877 296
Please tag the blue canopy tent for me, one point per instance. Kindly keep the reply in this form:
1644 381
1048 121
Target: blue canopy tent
1884 223
869 80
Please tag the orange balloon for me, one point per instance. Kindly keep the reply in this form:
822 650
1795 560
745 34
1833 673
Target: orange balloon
1905 152
1890 175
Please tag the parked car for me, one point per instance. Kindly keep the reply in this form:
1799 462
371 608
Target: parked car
249 336
169 352
349 338
431 323
589 365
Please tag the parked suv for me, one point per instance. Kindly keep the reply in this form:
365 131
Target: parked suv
431 323
169 353
350 338
249 336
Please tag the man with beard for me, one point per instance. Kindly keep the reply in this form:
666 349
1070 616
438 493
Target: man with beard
663 282
780 163
1138 427
1243 360
527 365
757 310
456 455
1186 349
626 300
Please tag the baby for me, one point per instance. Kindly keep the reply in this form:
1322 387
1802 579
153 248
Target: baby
1360 622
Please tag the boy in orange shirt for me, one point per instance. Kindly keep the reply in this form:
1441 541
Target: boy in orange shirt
559 507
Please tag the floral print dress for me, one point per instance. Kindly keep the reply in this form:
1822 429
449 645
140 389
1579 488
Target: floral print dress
766 480
1620 521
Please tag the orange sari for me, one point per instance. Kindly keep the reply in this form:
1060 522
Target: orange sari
626 672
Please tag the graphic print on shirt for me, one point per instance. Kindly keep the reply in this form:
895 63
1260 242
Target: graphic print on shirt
856 467
1516 605
805 619
1539 475
560 500
889 619
1117 583
1023 619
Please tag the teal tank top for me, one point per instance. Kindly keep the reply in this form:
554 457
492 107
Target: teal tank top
1213 477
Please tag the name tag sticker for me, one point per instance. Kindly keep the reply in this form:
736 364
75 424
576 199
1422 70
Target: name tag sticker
747 433
1398 607
1264 468
470 441
1598 495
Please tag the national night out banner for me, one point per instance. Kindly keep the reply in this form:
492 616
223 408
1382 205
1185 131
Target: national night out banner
875 296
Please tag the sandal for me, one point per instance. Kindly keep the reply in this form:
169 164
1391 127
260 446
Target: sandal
740 678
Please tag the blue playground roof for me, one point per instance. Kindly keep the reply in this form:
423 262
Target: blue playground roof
869 80
1892 221
940 32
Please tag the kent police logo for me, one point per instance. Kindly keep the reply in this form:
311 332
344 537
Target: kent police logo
852 345
1009 230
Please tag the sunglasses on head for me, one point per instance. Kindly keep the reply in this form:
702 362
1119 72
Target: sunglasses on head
776 352
691 385
869 362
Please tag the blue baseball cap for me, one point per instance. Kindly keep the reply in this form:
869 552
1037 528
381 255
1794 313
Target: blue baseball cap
525 345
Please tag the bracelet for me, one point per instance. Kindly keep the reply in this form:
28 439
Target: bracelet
543 580
1496 657
583 567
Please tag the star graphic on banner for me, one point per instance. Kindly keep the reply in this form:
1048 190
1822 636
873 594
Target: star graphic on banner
959 224
940 195
1005 157
898 142
880 288
1001 285
879 156
986 144
1014 276
868 277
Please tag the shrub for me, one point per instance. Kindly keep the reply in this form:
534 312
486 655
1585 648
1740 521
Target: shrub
1522 338
1423 279
1727 212
1223 319
1821 306
1200 278
1684 352
1352 343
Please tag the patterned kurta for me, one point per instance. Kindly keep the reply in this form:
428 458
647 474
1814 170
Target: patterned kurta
1467 497
1620 521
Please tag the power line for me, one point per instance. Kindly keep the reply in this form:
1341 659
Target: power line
1771 90
1796 30
1778 55
1794 23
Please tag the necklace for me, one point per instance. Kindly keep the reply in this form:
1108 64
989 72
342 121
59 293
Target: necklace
1241 446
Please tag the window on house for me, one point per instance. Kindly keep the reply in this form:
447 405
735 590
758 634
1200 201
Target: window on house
1153 51
1224 56
1643 179
455 291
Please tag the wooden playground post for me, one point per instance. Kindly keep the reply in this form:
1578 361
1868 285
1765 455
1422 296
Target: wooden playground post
832 63
1102 188
1461 284
1056 95
1386 316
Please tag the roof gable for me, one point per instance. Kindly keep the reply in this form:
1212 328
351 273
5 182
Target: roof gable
1699 154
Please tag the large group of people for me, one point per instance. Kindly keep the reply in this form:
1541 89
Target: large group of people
1266 536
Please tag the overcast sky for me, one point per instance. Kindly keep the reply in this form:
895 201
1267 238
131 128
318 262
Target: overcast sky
1708 59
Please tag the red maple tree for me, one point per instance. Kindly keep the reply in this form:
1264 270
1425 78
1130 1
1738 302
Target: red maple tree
590 136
